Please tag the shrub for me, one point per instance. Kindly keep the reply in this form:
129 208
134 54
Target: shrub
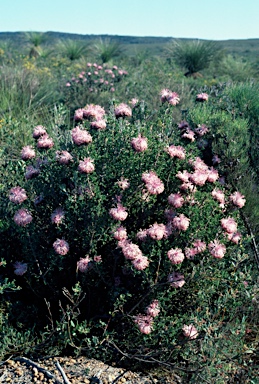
124 237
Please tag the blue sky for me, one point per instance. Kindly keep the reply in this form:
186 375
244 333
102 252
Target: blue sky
202 19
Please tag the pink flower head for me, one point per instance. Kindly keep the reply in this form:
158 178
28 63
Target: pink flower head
98 258
218 195
17 195
183 176
176 151
22 217
199 177
176 256
27 152
57 216
199 245
31 172
217 249
98 124
234 237
39 131
142 234
190 331
190 253
130 251
237 199
119 213
202 97
153 184
183 125
134 102
139 144
144 323
201 130
123 183
140 263
123 110
153 309
86 165
176 200
61 247
176 280
156 231
45 142
169 96
20 268
120 234
83 265
198 164
169 214
215 160
93 112
229 225
181 222
189 134
212 175
188 187
68 84
80 136
63 157
79 114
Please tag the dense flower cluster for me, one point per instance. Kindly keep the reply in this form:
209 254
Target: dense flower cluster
190 331
123 110
22 217
20 268
139 144
153 184
169 96
61 247
17 195
81 136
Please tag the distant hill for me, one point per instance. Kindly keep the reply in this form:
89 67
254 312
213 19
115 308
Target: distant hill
155 45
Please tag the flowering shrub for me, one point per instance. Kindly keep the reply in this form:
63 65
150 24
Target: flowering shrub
134 222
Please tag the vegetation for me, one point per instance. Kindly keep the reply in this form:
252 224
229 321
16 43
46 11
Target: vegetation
129 215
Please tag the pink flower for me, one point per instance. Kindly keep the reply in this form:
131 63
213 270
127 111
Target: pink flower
217 249
27 153
119 213
176 200
176 280
79 114
83 265
61 247
130 251
94 112
57 216
63 157
198 164
183 176
218 195
229 225
140 263
17 195
215 160
139 144
80 136
120 234
169 96
122 110
134 102
199 177
202 97
153 309
144 323
98 124
199 245
123 183
98 258
20 268
31 172
189 134
181 222
156 231
237 199
183 125
190 253
39 131
153 184
176 151
234 237
68 84
190 331
22 217
86 165
201 130
212 175
142 234
188 186
45 142
176 256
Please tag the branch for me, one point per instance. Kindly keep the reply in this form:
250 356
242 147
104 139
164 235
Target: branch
62 373
39 368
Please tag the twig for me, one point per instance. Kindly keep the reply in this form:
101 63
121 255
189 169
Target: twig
39 368
62 373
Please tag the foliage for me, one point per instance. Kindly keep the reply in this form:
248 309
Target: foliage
106 50
71 49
